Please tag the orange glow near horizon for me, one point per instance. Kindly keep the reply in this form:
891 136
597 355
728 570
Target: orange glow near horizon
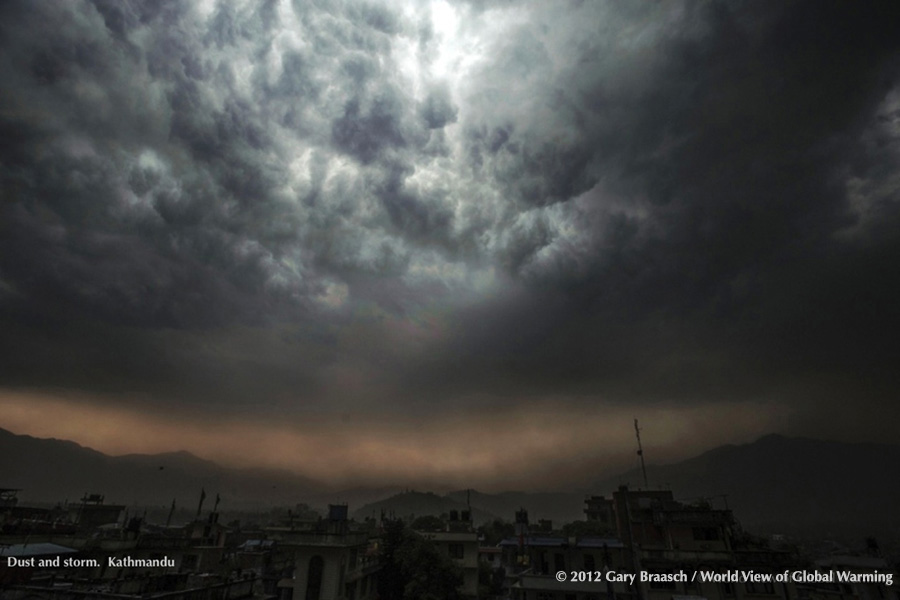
536 446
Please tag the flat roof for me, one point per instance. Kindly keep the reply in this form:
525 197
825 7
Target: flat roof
598 542
40 549
536 541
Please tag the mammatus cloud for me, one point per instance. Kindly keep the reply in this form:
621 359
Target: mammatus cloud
439 208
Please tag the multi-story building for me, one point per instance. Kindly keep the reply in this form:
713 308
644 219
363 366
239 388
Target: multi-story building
535 561
872 584
330 561
649 533
459 541
89 551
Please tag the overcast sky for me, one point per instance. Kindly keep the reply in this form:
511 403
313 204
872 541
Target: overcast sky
461 242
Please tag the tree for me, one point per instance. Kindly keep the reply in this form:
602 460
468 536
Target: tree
490 580
390 579
585 528
429 523
496 531
414 569
429 574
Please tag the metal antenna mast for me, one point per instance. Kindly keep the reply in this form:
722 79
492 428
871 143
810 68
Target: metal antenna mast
640 452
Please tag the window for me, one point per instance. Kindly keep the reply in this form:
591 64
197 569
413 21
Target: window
314 578
559 561
589 562
456 550
188 562
706 534
662 585
759 587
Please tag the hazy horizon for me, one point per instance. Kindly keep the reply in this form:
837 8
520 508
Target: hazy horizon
585 481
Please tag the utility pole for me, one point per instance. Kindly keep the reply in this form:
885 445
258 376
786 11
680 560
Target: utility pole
640 452
203 497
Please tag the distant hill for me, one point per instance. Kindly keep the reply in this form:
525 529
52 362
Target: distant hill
790 485
796 486
354 498
559 507
409 505
50 470
774 485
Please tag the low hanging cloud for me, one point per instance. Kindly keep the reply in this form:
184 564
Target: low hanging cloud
443 207
538 446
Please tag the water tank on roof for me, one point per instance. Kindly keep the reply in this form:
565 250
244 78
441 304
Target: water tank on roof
337 512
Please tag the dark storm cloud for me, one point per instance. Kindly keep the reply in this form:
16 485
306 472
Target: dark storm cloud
689 200
712 259
438 109
725 271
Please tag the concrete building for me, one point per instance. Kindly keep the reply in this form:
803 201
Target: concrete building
651 533
87 551
668 537
330 562
92 512
535 561
459 541
871 586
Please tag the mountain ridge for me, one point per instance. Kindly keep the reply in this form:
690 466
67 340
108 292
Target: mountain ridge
774 484
52 469
790 485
